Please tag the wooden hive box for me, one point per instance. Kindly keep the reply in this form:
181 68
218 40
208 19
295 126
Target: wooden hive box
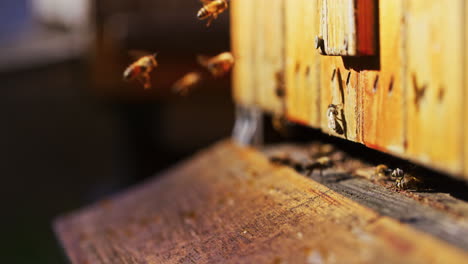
396 66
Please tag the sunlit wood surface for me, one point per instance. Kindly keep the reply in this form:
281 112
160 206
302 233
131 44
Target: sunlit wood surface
229 204
408 99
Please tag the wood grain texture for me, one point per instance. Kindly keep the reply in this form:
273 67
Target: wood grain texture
340 86
409 100
231 205
302 71
434 83
338 27
347 27
438 210
465 92
242 33
383 96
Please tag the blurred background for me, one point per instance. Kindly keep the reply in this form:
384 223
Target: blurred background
72 131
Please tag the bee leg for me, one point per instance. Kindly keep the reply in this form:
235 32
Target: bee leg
140 80
147 82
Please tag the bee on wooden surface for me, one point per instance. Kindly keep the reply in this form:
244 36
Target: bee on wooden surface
409 182
397 174
218 65
286 160
381 172
281 159
211 9
406 181
140 70
321 163
185 84
333 112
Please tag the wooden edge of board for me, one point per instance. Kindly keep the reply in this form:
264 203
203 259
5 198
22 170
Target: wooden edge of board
231 204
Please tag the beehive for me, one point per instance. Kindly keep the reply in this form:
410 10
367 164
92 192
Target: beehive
396 66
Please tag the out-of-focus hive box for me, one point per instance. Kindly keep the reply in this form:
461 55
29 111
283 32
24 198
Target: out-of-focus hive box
401 80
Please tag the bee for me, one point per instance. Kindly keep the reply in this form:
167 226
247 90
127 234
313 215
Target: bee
406 181
332 116
381 172
185 84
321 164
281 159
140 70
397 174
409 182
211 9
286 160
218 65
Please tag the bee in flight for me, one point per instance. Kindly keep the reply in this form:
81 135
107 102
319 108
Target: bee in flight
140 70
211 9
187 83
218 65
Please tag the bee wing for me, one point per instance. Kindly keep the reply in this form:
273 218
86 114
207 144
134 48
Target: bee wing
136 54
203 60
187 82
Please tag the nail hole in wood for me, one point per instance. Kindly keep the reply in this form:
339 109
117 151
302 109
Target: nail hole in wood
307 72
280 84
376 83
441 94
333 74
348 78
298 67
418 91
390 85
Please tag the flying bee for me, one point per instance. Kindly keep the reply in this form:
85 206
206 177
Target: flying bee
185 84
211 9
140 70
332 116
218 65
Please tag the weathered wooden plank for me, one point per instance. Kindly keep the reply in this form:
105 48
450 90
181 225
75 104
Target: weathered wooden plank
242 33
294 80
231 205
414 95
340 86
383 116
434 81
347 27
269 54
433 209
302 72
465 93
